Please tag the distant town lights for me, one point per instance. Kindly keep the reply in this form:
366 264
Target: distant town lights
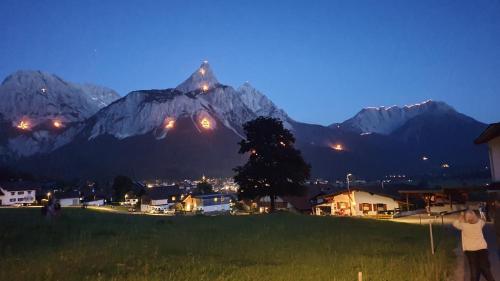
445 165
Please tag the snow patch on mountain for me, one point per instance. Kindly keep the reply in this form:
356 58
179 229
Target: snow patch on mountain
38 96
384 120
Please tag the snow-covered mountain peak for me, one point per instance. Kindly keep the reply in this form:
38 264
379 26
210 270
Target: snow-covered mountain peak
202 79
40 96
384 120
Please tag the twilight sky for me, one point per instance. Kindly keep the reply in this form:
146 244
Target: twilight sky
321 61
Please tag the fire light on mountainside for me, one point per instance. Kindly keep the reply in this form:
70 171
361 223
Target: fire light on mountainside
23 125
170 124
205 123
202 71
57 124
204 87
337 147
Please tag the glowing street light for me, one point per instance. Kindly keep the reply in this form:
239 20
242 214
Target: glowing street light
282 143
425 158
205 123
23 125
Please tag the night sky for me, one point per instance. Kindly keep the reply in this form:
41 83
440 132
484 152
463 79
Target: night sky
321 61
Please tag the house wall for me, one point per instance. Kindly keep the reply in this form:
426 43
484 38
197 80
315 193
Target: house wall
494 148
95 203
69 202
216 208
359 197
365 197
18 197
159 202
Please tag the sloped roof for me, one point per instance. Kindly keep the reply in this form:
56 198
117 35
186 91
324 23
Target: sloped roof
67 194
303 203
493 131
19 185
162 192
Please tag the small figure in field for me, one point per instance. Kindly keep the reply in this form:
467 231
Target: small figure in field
474 245
497 224
52 208
482 211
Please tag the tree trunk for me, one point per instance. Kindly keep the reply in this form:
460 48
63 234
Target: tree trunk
272 208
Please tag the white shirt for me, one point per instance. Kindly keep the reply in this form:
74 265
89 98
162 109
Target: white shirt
472 235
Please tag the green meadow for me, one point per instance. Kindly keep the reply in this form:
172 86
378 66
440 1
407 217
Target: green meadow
91 245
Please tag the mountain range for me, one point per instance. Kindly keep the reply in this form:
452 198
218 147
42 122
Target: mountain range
59 129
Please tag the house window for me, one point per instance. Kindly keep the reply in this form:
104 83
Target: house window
13 200
365 207
20 199
20 192
12 193
379 207
29 192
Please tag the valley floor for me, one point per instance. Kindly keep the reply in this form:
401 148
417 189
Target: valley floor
90 245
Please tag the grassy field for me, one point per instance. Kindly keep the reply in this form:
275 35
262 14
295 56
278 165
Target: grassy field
89 245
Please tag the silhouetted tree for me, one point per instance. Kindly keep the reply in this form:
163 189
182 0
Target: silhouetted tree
121 185
204 187
274 167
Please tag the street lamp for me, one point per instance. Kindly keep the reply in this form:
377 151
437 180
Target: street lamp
349 193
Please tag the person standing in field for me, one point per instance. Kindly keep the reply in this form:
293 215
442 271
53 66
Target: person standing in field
474 245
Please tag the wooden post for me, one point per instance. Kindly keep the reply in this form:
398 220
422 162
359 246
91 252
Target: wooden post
420 218
431 236
360 276
407 203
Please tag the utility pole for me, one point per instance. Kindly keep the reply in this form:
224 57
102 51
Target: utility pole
349 194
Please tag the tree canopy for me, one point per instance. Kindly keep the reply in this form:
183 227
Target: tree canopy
274 167
121 185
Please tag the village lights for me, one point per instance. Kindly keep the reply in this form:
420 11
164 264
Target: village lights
23 125
445 165
282 143
205 123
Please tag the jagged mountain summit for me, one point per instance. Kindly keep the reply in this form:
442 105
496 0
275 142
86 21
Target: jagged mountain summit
384 120
38 96
201 98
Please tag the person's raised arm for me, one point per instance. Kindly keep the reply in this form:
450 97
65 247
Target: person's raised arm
458 223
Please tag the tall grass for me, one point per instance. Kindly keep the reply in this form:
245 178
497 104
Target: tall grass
87 245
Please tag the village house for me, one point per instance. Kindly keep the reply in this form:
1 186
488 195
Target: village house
207 203
131 199
357 202
491 136
17 193
68 198
159 199
298 204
